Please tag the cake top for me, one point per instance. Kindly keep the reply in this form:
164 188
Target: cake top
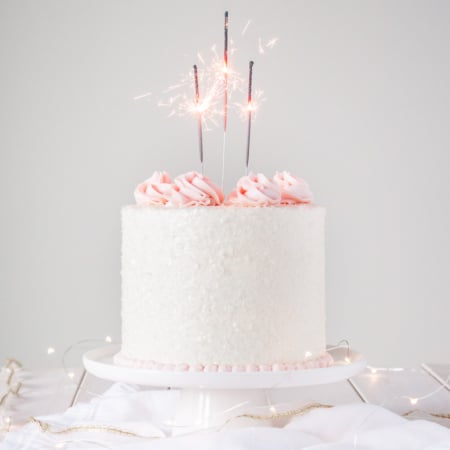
195 189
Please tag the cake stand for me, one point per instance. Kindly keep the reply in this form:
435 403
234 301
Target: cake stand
211 399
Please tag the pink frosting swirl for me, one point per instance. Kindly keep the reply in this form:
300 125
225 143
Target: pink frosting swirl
294 190
255 190
154 191
194 189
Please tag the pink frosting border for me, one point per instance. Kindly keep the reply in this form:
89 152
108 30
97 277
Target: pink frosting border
324 360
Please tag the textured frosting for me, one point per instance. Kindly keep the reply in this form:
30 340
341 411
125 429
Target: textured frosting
255 190
226 286
154 191
194 189
294 190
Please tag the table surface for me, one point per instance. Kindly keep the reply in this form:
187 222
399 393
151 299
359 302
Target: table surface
417 393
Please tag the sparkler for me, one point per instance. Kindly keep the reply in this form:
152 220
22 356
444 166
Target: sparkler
225 72
199 115
249 113
225 93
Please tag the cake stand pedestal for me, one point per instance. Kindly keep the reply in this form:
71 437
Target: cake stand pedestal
212 399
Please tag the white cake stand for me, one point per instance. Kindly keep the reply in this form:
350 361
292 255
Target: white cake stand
209 399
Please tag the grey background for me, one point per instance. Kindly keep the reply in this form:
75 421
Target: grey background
358 104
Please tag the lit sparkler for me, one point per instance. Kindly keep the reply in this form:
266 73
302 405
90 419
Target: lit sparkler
249 113
199 115
225 93
219 82
225 74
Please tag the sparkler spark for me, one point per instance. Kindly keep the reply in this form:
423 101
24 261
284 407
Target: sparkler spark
139 97
271 43
244 30
260 47
200 58
220 83
243 108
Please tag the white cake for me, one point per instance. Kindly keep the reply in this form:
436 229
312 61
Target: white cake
223 287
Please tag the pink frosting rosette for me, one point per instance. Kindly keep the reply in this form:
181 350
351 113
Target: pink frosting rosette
154 191
194 189
294 190
255 190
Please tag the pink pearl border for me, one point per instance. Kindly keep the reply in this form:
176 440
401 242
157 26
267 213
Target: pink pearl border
324 360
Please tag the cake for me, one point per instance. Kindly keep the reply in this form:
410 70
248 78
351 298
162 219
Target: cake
214 285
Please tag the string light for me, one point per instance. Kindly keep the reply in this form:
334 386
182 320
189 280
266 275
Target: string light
50 351
11 366
414 400
108 339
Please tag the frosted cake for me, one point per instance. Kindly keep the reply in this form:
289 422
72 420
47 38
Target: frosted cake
214 285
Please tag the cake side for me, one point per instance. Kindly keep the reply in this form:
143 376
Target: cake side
222 285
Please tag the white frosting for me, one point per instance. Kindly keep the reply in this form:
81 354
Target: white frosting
223 285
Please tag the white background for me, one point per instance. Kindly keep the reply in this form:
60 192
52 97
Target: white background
358 104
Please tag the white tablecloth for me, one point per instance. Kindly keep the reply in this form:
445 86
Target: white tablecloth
144 412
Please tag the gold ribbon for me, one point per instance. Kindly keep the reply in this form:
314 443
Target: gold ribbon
47 428
282 415
415 411
12 365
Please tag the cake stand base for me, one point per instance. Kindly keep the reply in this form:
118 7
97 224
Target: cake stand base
215 399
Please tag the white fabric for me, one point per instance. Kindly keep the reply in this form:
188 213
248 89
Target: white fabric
354 426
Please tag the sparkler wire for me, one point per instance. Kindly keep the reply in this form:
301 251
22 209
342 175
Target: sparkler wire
199 115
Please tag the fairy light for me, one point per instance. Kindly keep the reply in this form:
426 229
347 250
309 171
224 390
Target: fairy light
414 400
308 354
50 351
108 339
71 375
